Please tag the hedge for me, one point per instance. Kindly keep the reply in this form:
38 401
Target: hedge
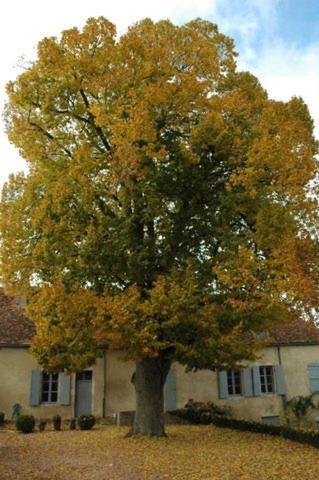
309 437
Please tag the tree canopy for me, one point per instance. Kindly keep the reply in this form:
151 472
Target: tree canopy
167 210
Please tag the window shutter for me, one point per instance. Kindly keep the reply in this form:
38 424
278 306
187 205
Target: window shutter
35 388
256 381
170 399
280 380
64 388
248 382
223 384
313 371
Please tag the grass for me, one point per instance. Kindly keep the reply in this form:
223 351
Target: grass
189 453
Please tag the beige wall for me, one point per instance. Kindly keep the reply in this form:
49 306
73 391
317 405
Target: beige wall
16 365
295 361
120 392
203 385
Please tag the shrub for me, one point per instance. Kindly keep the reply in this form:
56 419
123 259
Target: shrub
300 406
200 412
86 421
42 425
1 418
72 424
309 437
57 422
25 423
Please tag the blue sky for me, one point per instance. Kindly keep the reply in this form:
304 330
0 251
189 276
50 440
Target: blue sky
298 21
277 40
291 21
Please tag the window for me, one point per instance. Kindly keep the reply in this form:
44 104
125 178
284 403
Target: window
234 382
262 335
49 391
313 372
266 379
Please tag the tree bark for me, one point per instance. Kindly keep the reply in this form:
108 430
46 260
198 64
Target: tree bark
149 379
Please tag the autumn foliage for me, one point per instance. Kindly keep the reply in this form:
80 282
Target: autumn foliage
190 453
169 206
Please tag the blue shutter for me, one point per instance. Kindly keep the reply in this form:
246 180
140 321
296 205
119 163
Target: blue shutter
170 400
64 388
248 382
35 388
280 380
223 384
256 381
313 371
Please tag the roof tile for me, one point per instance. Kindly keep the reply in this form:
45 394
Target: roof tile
15 328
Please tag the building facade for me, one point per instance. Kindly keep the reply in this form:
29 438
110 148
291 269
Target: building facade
287 367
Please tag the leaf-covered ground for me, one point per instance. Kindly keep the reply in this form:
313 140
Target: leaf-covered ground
189 453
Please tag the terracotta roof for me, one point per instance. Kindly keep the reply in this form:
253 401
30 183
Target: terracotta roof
299 332
15 329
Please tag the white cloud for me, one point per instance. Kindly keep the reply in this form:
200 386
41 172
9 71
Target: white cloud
24 23
287 70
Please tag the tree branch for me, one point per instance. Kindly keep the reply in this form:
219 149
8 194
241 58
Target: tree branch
50 137
98 130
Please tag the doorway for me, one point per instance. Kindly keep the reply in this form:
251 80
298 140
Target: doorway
83 392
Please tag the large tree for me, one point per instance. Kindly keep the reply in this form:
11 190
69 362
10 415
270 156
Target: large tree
167 209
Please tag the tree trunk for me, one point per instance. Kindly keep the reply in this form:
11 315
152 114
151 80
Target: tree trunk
149 380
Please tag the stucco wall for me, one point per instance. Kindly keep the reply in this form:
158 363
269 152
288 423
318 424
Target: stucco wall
295 361
203 386
120 392
16 365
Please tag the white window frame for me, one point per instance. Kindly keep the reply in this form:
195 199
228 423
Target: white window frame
52 378
267 387
232 383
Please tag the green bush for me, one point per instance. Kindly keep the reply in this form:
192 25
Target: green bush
200 412
72 424
309 437
57 422
42 425
25 423
86 421
1 418
188 414
300 406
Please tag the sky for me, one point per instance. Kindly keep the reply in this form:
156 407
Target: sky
277 40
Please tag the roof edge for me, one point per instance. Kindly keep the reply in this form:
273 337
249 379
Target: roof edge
292 344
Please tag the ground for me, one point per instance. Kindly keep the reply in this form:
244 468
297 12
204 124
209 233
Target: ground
189 453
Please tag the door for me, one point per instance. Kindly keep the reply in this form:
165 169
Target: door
83 393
